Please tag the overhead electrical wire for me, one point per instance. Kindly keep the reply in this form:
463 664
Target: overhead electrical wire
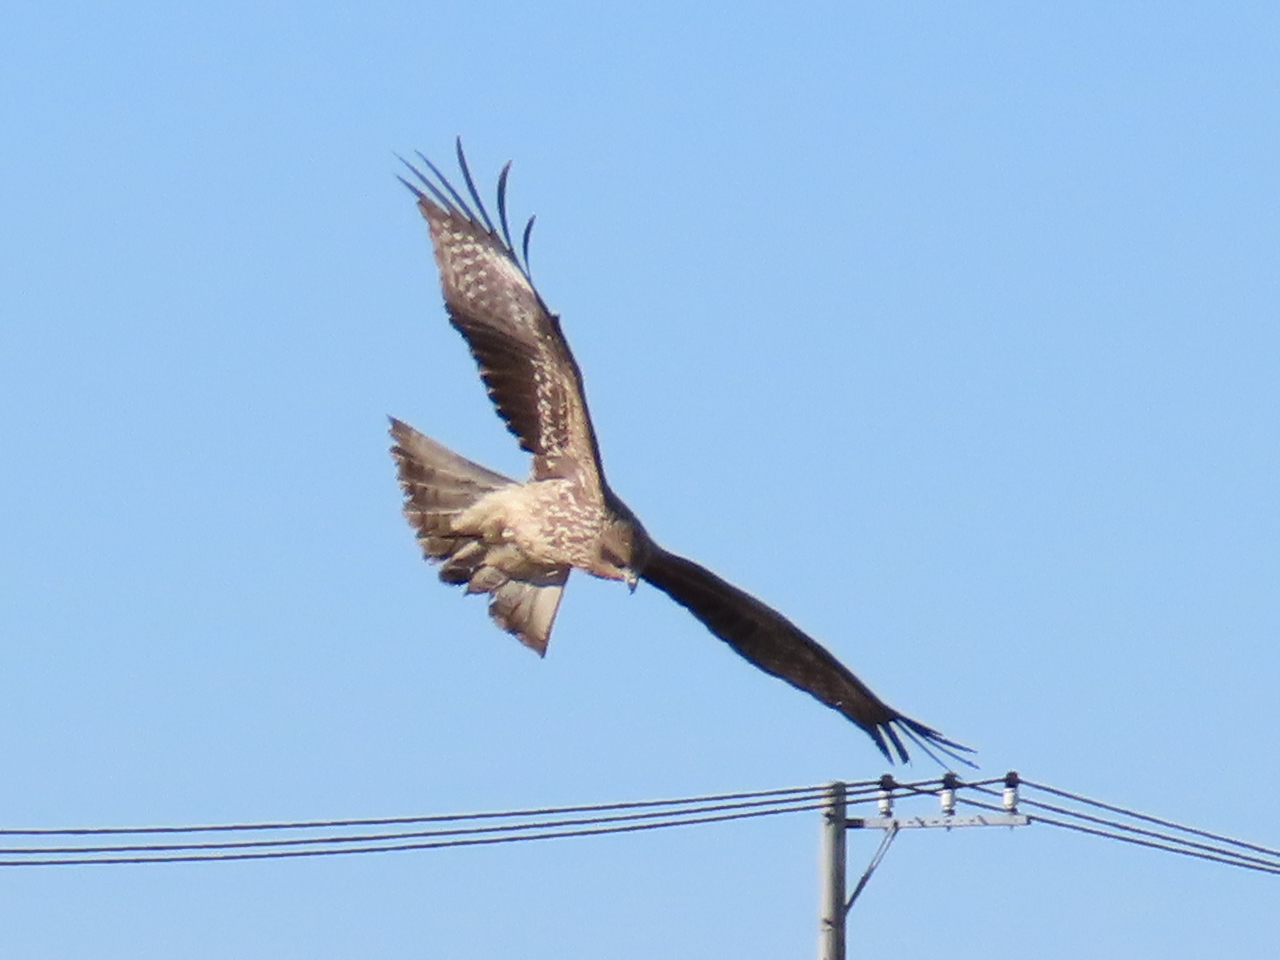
761 807
1150 819
393 821
529 824
68 856
1113 829
316 838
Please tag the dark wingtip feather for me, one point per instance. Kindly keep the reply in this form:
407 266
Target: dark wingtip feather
929 739
892 735
502 206
878 738
524 244
471 186
436 195
458 204
439 191
412 189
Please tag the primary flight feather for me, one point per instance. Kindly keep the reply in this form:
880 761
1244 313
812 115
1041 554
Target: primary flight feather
517 542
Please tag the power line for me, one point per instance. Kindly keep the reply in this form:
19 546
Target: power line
457 830
1150 819
530 824
1140 831
393 821
1111 829
314 838
803 802
429 845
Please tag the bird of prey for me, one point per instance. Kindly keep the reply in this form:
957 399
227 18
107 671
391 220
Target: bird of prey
517 542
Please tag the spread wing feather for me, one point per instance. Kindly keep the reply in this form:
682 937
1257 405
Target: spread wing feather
517 342
777 646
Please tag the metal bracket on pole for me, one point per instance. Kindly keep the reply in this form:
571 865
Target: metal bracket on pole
836 823
890 832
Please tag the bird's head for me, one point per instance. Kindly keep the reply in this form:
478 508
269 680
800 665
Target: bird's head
624 550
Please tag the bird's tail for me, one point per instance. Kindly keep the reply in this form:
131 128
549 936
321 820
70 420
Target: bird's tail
438 486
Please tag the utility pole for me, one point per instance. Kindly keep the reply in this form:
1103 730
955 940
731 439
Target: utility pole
836 824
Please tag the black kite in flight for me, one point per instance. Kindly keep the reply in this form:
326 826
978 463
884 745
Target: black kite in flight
517 542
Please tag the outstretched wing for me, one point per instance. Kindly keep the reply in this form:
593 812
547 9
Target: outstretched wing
777 646
523 357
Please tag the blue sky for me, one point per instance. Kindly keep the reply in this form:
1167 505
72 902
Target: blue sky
949 332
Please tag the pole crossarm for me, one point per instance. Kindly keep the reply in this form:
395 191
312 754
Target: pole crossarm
976 820
836 823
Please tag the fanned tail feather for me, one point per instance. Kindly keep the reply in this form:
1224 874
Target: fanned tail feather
438 485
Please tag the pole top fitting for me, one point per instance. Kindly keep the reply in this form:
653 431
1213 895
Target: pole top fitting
1009 799
885 801
948 797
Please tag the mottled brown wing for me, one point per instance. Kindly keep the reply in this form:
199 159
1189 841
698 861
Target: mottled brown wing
523 357
777 646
